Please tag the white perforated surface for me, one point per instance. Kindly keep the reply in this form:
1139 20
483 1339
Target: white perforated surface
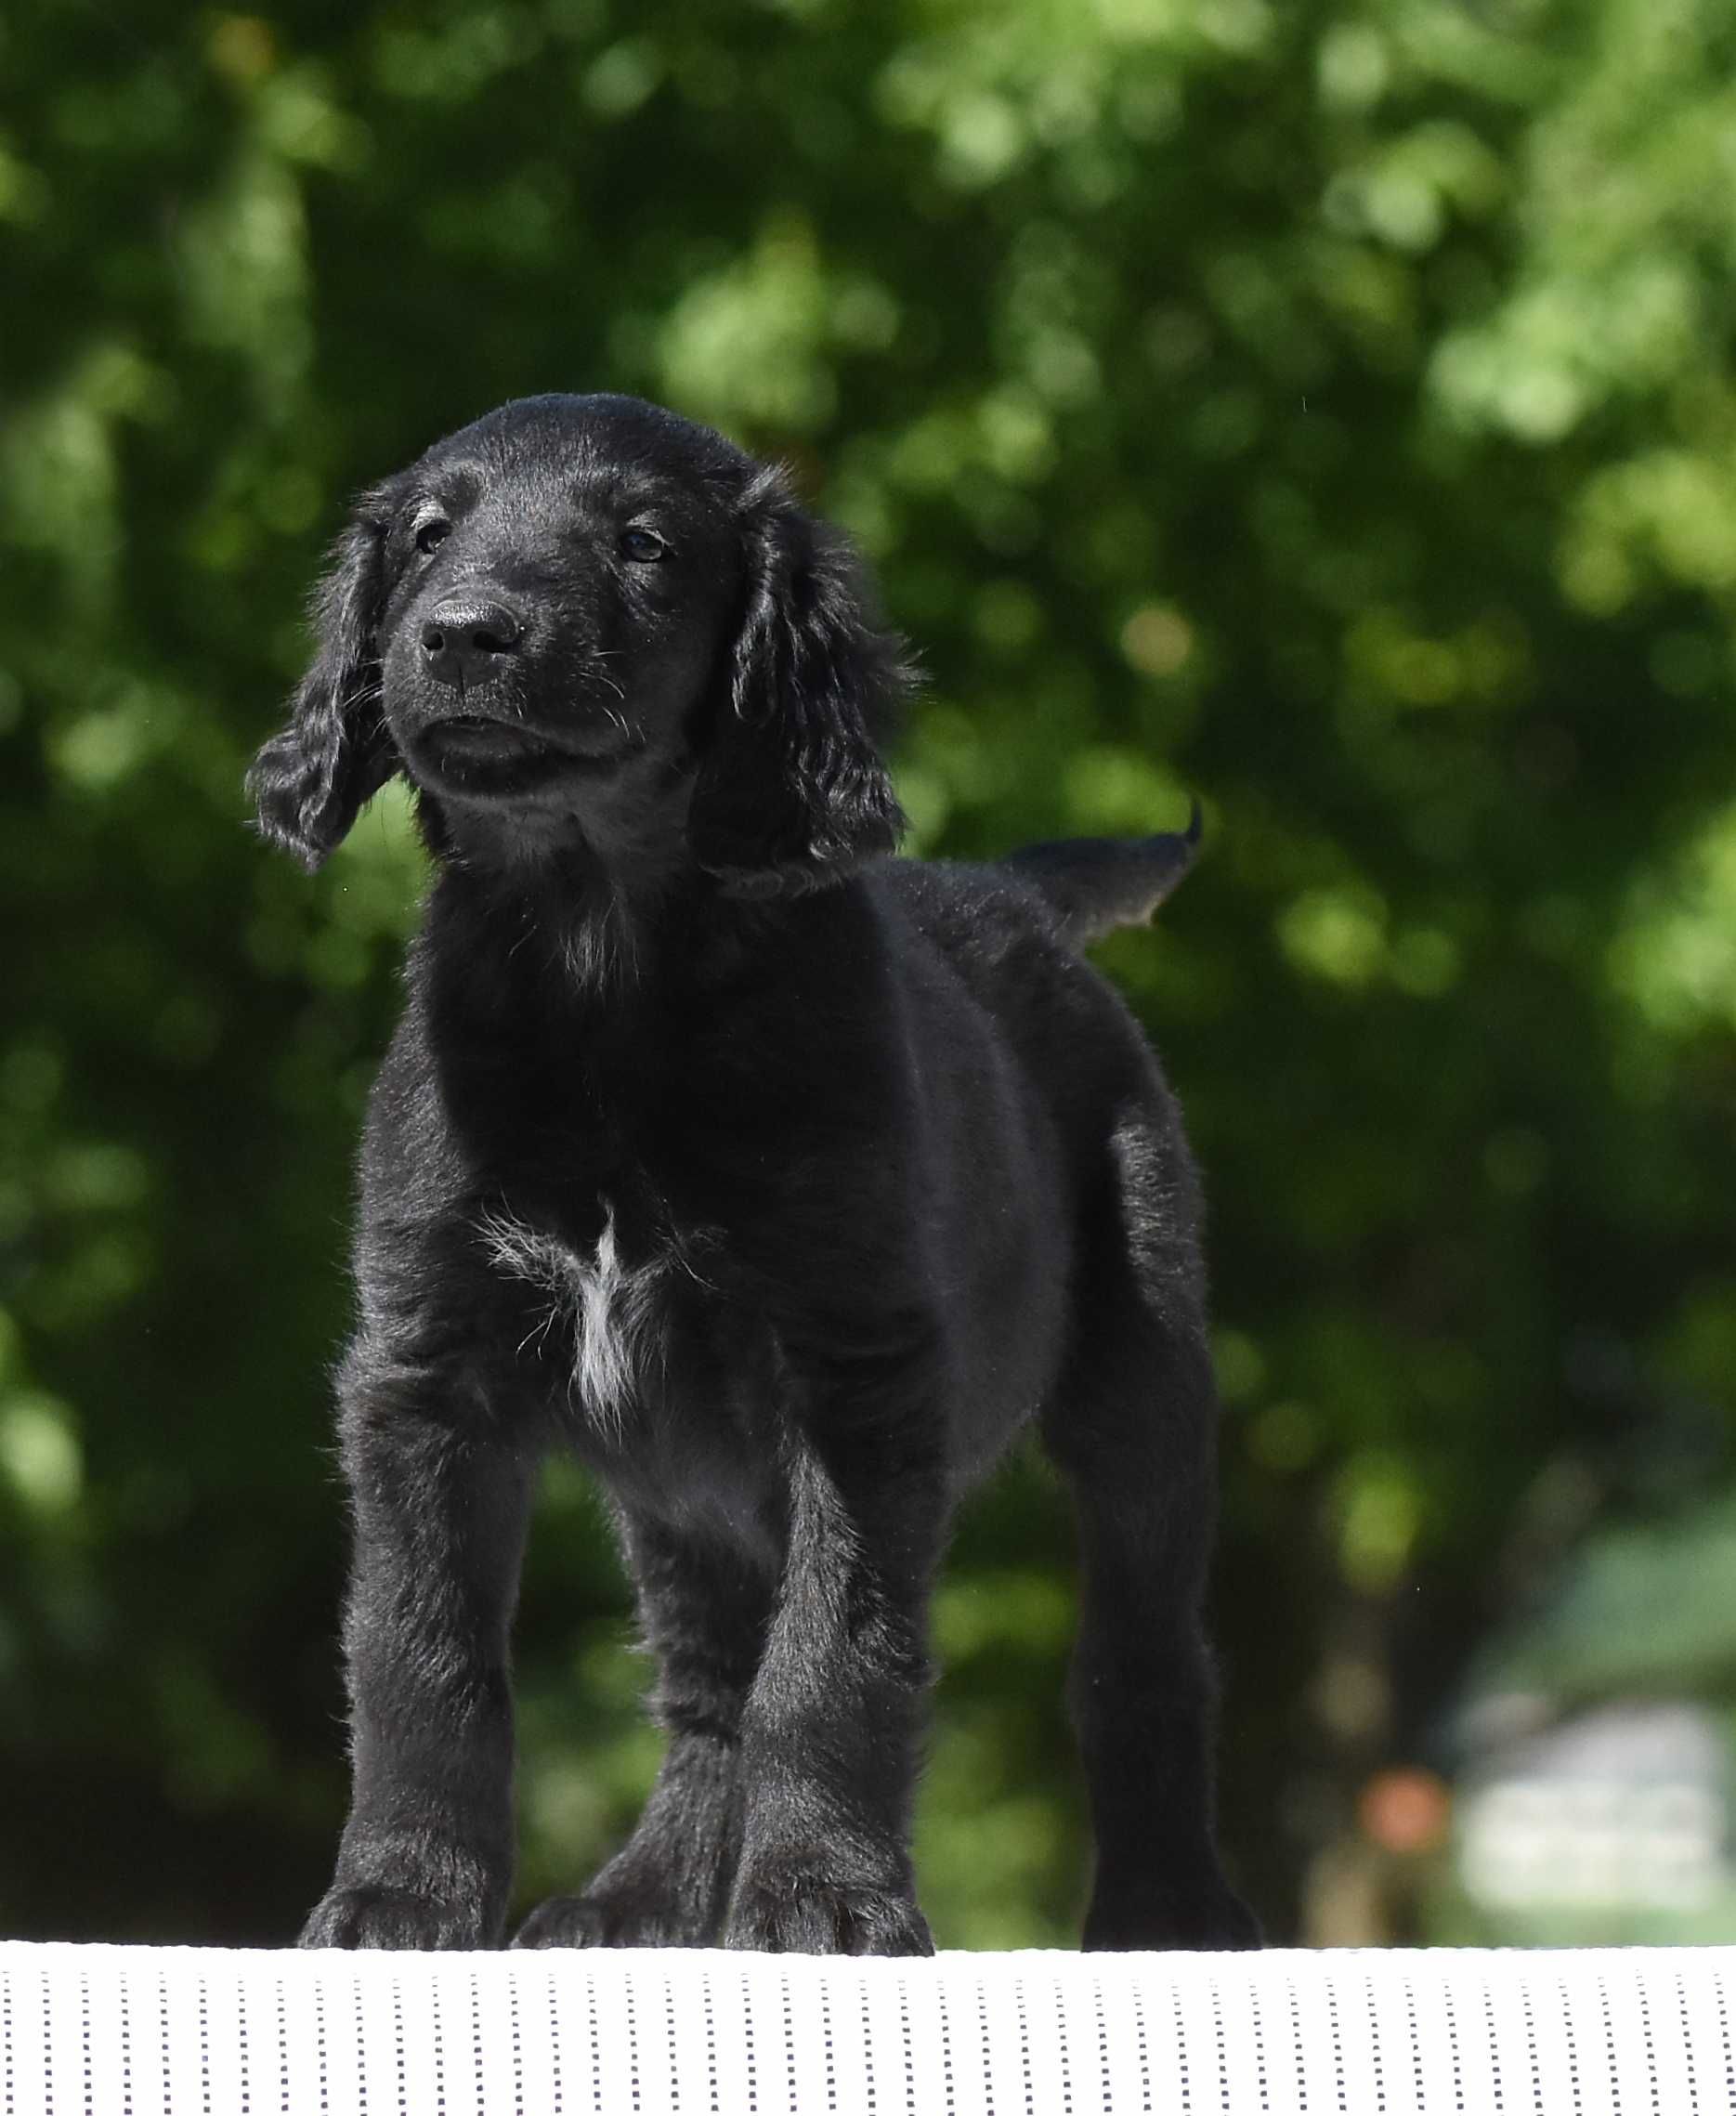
132 2031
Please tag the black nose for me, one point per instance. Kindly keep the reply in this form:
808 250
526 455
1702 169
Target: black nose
465 642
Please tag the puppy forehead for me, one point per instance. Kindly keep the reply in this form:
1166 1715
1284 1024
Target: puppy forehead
611 448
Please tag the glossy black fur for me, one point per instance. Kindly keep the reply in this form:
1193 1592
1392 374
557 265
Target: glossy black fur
784 1181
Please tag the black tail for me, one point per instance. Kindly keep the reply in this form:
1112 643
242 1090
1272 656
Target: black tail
1097 884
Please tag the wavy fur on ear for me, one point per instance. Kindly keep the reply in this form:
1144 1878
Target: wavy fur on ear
309 782
792 792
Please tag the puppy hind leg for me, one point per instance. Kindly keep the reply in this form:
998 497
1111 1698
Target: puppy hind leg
704 1614
1133 1429
1143 1695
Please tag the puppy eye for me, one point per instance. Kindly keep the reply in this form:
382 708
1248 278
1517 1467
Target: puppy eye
642 546
432 534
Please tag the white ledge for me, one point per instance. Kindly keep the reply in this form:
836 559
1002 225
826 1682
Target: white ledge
139 2030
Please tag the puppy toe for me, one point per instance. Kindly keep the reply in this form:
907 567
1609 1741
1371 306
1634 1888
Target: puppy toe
1215 1922
392 1919
817 1917
605 1920
564 1921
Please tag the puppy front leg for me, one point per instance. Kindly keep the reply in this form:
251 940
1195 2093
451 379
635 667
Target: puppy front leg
440 1508
831 1732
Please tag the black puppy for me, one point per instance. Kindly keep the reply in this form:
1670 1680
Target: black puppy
783 1181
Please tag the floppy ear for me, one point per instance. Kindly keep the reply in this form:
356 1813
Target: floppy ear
309 782
791 792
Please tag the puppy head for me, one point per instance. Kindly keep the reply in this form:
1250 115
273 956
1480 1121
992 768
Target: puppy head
579 618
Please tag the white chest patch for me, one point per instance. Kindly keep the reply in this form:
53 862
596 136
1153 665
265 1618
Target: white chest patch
610 1308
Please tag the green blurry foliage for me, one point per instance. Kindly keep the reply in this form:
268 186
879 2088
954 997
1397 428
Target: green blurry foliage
1325 409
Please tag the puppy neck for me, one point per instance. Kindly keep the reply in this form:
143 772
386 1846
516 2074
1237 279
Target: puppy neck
573 902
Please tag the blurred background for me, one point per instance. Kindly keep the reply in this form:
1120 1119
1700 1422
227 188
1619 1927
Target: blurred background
1326 408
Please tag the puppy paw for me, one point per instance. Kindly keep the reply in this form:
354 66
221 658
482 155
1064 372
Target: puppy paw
392 1918
793 1913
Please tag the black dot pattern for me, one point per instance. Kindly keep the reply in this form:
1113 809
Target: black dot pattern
1293 2006
830 2055
1454 2059
1684 2028
1499 2098
948 2085
1142 2044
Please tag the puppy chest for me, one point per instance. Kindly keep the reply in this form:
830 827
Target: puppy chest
665 1386
598 1323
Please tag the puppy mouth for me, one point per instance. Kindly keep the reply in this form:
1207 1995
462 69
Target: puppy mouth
474 752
